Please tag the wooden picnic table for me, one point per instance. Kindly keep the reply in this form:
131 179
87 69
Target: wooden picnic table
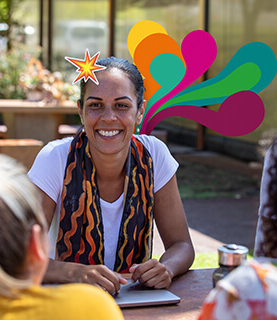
192 288
36 120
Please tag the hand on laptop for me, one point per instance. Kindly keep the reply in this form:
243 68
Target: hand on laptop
152 273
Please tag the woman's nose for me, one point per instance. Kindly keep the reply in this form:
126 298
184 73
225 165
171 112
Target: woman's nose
108 114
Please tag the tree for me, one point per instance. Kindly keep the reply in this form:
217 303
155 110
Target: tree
7 8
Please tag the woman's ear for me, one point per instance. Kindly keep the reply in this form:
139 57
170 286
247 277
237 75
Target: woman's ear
141 112
37 254
80 110
38 246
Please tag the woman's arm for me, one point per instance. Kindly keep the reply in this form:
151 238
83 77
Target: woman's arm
66 272
172 225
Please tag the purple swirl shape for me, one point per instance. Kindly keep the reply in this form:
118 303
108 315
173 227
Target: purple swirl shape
239 114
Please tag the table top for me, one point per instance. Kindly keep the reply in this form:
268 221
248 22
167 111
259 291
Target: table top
25 106
192 288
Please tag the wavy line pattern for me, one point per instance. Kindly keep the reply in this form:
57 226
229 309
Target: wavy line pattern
81 234
169 71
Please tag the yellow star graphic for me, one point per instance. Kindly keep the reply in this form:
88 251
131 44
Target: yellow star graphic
86 67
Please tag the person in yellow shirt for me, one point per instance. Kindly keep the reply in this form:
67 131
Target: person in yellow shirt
24 259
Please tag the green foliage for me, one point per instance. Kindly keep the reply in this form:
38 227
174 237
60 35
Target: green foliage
12 65
4 10
21 73
7 9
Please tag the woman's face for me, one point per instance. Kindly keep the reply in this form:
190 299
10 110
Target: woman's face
110 112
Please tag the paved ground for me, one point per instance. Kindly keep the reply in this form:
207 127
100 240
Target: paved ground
217 221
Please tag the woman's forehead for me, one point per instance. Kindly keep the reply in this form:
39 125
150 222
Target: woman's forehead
112 73
113 79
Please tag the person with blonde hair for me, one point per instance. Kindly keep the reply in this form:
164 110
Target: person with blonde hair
24 259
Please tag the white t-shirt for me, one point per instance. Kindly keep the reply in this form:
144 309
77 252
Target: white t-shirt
48 170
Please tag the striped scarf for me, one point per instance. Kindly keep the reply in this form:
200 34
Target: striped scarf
81 232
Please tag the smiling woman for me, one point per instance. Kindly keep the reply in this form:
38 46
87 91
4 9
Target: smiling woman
102 190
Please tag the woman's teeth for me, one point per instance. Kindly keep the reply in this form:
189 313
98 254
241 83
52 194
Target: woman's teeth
108 133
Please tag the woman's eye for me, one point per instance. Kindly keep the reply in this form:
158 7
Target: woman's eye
95 105
121 106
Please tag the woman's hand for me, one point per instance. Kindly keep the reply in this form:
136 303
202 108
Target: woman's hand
152 273
98 275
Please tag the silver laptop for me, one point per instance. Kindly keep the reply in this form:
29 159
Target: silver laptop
137 295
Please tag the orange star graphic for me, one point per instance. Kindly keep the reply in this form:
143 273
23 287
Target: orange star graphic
86 67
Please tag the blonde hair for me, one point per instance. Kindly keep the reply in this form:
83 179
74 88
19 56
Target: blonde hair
19 211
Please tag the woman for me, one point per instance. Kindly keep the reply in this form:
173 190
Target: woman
266 234
24 259
102 190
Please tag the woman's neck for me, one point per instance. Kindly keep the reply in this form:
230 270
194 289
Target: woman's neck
110 173
109 167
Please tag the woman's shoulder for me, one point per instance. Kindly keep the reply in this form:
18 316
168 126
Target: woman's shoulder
164 164
56 150
151 142
49 164
59 145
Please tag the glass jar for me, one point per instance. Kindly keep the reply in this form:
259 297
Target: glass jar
229 257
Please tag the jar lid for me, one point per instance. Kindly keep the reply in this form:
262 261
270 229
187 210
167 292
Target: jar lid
232 254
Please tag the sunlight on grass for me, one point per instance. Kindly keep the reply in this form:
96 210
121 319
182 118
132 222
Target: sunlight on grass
207 260
201 261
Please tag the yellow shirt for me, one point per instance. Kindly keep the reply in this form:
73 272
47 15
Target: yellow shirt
69 302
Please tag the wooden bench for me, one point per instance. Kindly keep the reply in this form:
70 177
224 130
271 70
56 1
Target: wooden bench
23 150
68 130
3 131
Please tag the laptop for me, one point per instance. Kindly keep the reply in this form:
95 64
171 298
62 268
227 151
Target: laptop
138 295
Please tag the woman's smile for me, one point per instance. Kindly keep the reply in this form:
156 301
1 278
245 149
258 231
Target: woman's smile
108 133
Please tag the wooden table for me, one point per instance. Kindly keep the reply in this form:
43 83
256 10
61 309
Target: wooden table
37 120
191 287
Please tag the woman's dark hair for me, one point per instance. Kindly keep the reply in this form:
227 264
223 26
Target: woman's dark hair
130 69
270 221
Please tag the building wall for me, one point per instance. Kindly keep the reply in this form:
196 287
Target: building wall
232 23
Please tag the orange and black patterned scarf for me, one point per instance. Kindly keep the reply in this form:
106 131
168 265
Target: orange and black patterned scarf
81 232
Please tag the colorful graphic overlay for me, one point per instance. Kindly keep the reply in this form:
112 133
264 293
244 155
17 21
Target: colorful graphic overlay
168 70
86 67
